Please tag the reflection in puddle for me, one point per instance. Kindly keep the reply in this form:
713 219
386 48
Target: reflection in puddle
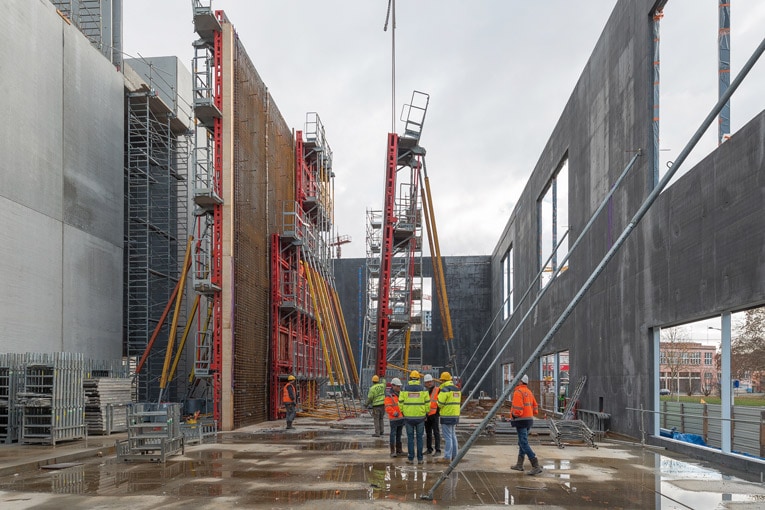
630 478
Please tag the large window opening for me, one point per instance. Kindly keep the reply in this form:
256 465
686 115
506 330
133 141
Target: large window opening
553 224
714 369
690 75
507 284
554 377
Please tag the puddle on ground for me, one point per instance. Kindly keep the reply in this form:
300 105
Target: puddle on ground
635 478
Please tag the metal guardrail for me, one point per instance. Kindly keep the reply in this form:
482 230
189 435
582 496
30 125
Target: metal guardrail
203 431
705 420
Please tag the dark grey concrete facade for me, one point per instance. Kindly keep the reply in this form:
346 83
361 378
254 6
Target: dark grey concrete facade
699 252
61 189
468 281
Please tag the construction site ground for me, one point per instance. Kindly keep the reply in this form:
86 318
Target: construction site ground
338 464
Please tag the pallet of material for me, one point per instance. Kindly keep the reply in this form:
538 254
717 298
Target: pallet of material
106 401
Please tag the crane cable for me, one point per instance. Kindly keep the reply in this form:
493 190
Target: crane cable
391 16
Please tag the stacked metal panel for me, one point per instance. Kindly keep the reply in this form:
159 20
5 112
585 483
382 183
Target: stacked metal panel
52 402
11 372
154 432
106 403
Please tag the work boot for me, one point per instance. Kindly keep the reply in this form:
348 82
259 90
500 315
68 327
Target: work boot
535 467
392 451
519 465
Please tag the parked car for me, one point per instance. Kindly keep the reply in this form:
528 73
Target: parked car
664 391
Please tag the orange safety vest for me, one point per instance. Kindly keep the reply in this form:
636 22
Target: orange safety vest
391 406
434 401
286 398
524 403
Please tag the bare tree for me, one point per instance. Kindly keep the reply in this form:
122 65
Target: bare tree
675 349
748 346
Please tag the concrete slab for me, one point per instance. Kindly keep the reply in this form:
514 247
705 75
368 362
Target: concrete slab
339 464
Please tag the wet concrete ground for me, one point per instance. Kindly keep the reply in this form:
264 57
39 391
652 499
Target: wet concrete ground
341 465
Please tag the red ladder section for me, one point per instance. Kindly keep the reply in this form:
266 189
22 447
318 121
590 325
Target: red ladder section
386 254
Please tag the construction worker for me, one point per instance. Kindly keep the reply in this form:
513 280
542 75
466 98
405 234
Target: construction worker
414 401
432 430
289 398
449 400
376 400
523 411
395 416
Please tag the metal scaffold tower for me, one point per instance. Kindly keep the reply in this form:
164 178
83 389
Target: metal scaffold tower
309 339
100 21
156 206
394 253
207 162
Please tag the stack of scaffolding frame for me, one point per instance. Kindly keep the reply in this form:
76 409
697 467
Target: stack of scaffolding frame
52 402
11 374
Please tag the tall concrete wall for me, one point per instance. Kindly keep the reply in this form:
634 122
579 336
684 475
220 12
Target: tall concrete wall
698 252
60 188
468 281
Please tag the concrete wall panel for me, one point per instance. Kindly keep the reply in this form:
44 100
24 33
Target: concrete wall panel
698 252
93 140
30 258
31 81
92 295
61 193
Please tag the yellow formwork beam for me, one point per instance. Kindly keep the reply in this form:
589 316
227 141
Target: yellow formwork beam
329 325
314 298
174 325
341 319
438 269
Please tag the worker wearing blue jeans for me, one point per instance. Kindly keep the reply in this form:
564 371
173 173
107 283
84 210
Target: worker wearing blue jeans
414 401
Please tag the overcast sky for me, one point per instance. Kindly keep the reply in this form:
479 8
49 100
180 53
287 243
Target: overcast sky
498 73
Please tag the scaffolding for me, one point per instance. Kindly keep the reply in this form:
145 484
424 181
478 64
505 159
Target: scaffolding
156 207
308 337
207 163
394 253
99 21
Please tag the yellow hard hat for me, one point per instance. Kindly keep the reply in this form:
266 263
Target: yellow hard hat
446 376
290 377
375 378
414 375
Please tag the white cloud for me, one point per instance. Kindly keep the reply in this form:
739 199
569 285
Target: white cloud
499 74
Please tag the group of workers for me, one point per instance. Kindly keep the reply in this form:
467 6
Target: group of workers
425 407
419 408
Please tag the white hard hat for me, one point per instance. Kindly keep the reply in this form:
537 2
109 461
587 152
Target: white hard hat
525 379
428 378
395 382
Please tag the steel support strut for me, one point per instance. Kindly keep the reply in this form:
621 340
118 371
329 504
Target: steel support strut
641 212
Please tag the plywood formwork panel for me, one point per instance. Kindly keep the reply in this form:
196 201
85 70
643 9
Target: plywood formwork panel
263 178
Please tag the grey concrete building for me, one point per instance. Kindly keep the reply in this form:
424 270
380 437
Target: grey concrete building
61 187
697 253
